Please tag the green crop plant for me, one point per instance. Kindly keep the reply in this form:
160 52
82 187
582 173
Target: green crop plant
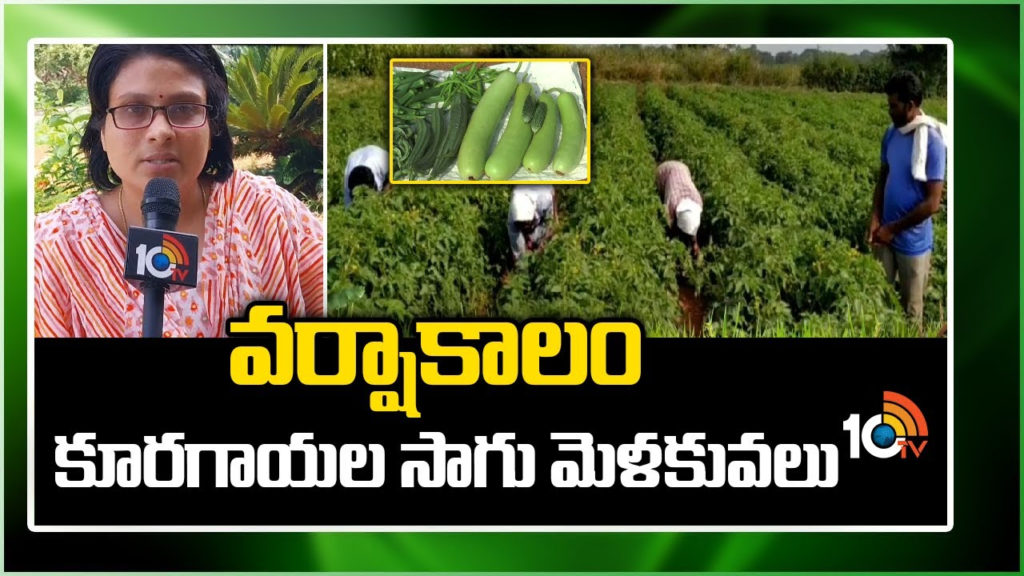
610 257
357 116
770 267
408 255
785 175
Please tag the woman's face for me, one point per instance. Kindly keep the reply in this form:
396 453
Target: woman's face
141 154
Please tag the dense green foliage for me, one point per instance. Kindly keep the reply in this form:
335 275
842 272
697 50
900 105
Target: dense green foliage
276 108
60 71
405 254
786 175
610 257
63 173
357 116
416 251
62 111
786 219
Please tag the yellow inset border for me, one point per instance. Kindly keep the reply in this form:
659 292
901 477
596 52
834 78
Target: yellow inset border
391 120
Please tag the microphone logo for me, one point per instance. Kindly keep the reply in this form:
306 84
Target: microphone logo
161 256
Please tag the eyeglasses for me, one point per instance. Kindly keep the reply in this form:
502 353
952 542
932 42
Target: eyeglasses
135 116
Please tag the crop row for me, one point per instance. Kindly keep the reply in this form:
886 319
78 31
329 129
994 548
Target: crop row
357 116
849 133
782 150
851 126
406 254
610 256
423 251
825 148
441 251
418 251
767 262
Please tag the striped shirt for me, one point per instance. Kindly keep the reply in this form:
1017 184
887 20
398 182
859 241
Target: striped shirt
675 184
260 243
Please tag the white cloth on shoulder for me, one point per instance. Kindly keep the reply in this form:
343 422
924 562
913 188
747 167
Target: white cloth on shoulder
919 157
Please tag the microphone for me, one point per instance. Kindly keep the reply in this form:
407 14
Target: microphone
157 255
161 204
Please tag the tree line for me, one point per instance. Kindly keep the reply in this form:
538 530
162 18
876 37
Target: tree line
719 64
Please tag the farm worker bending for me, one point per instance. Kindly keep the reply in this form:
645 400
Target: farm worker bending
908 192
529 218
367 166
683 203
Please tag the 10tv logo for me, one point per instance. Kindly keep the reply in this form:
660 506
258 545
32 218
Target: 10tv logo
162 256
900 426
168 259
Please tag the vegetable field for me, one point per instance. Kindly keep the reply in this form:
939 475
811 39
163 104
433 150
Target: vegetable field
787 177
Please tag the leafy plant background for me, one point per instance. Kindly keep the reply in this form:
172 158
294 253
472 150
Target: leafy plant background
277 109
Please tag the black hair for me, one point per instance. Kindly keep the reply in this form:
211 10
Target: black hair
906 86
361 176
203 60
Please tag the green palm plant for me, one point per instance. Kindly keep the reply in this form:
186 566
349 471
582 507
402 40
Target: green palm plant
276 108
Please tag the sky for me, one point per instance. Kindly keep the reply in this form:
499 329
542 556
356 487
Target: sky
798 48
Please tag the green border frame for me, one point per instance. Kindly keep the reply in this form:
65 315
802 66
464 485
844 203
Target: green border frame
984 71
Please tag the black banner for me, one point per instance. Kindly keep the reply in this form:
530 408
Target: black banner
794 392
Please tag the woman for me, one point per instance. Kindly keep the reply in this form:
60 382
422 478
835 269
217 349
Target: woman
161 111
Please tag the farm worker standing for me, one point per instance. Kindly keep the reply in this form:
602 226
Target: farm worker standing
367 166
529 218
683 203
908 192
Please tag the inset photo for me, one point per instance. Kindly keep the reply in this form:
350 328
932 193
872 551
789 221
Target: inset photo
489 121
175 184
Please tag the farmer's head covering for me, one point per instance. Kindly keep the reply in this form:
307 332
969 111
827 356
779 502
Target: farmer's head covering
524 209
534 189
373 158
688 216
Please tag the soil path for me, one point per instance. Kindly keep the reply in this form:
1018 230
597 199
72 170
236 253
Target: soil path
692 308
